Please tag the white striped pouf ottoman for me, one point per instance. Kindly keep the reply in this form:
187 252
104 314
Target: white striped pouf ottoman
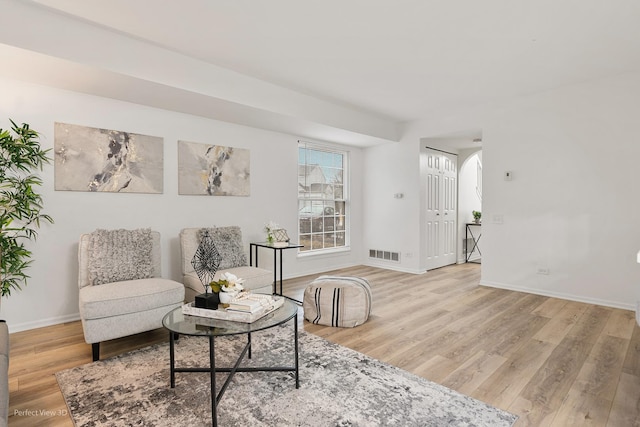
337 301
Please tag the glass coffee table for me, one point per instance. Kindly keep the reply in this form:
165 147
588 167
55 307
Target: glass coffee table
181 324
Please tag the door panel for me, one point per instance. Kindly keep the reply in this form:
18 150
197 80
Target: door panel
441 208
433 231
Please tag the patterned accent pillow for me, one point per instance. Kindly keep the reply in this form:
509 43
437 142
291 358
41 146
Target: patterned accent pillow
117 255
228 241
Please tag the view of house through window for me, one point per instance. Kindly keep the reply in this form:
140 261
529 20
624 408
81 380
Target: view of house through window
322 198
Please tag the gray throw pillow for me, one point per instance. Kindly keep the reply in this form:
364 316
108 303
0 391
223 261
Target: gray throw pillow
117 255
228 241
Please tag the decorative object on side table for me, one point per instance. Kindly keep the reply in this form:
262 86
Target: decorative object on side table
477 215
276 235
228 287
206 262
281 238
268 228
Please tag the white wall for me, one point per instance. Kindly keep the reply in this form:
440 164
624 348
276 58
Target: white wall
571 206
52 294
391 223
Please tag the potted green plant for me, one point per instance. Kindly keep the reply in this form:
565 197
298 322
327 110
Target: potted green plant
20 203
477 215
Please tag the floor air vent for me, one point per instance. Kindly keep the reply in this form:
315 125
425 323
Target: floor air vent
386 255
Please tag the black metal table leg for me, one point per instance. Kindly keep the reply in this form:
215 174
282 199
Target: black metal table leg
467 232
212 367
280 253
172 359
275 273
295 338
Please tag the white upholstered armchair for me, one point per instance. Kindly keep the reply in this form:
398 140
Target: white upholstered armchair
229 244
121 289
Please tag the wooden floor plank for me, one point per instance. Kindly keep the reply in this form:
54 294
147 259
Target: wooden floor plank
506 383
591 395
601 371
632 359
473 372
621 324
561 323
550 385
551 308
625 410
435 369
582 409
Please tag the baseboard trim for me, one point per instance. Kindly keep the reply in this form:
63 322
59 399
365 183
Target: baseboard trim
569 297
43 323
393 267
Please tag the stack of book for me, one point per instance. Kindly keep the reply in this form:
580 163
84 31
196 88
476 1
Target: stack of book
252 303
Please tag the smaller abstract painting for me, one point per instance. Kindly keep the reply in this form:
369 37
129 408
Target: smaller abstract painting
212 170
92 159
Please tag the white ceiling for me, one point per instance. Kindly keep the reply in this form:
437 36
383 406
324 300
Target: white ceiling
400 59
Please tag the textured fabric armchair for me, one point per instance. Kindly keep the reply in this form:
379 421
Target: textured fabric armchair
121 289
228 242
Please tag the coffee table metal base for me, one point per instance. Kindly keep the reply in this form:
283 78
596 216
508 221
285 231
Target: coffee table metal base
212 369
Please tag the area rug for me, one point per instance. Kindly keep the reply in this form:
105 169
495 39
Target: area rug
338 387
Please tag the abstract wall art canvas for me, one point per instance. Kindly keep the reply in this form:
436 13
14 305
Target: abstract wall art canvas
212 170
103 160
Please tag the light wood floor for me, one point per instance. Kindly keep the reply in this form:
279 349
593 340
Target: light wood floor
550 361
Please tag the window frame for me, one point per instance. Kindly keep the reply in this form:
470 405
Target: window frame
304 199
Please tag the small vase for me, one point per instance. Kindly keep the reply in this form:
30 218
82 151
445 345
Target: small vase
226 297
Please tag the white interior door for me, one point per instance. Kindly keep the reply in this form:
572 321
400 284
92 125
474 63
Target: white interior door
441 208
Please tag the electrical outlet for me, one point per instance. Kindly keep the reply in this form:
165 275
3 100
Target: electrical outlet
497 219
543 270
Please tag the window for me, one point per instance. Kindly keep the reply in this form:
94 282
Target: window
322 198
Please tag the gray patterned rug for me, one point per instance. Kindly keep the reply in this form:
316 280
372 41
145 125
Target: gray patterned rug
338 387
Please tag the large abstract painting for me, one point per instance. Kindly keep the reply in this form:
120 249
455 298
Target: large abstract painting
212 170
92 159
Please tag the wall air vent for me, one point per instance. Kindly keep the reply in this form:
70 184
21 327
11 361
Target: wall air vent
385 255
